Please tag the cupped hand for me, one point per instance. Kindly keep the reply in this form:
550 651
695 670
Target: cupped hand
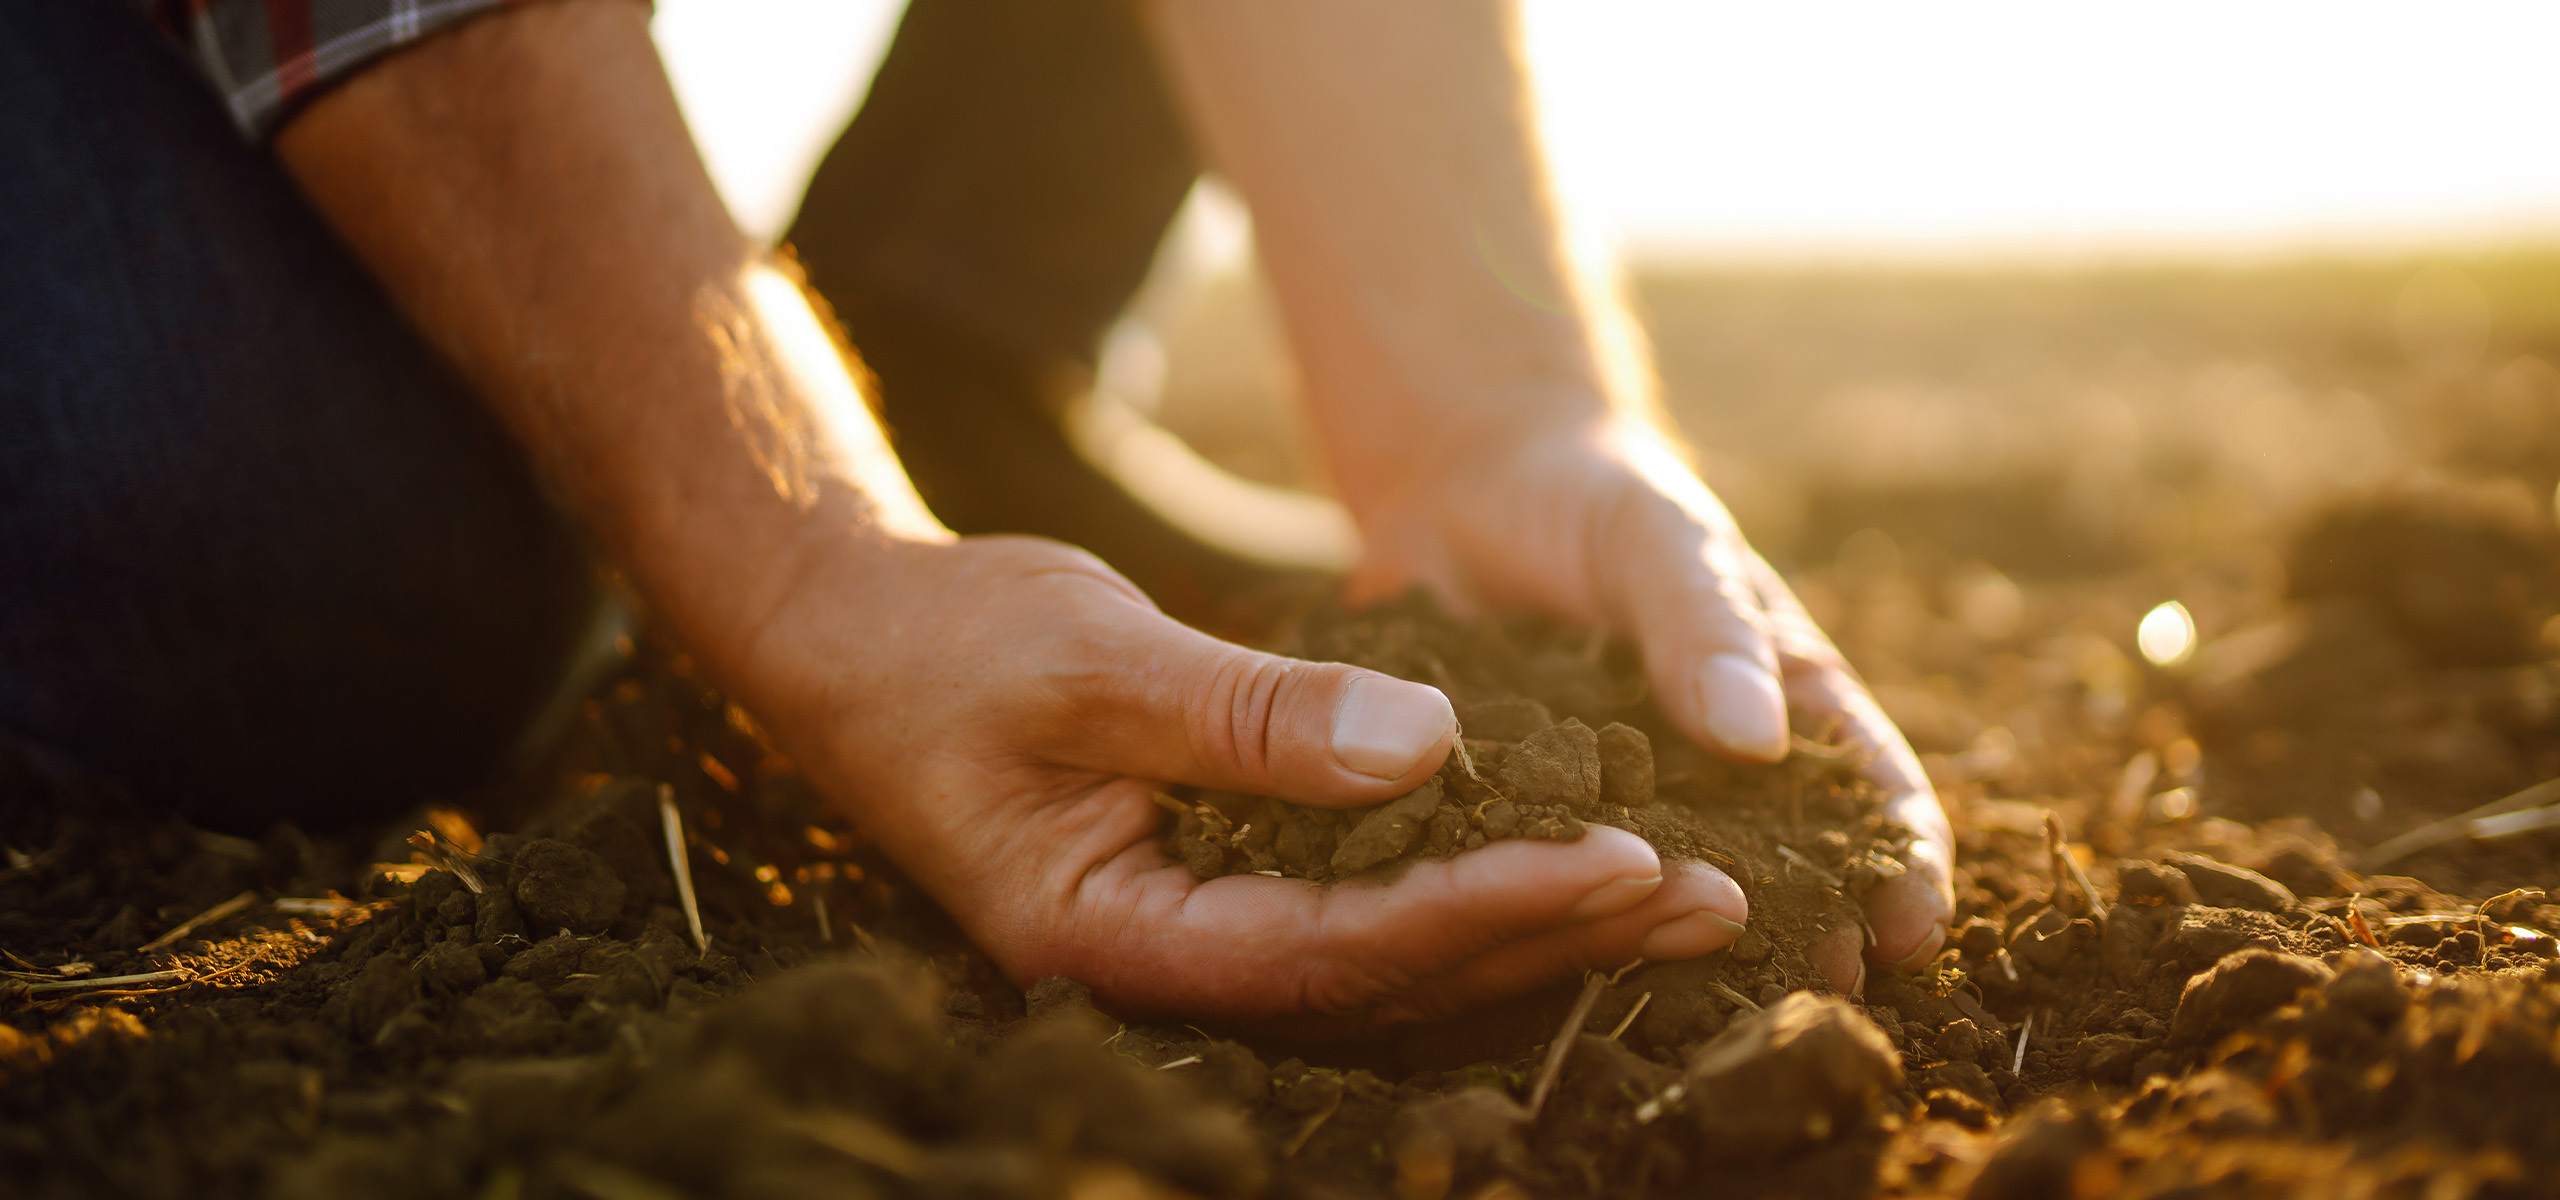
998 712
1600 522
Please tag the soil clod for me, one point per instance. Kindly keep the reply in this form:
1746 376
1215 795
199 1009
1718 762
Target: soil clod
2241 988
1387 831
1558 765
561 886
1791 1076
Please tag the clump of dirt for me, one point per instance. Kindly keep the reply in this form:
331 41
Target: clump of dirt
1804 830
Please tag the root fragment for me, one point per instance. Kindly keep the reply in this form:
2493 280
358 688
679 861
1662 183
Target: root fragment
2356 925
1632 1014
673 822
173 975
445 855
1562 1046
2066 869
1298 1141
224 910
2517 812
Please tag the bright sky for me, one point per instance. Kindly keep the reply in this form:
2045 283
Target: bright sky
1826 127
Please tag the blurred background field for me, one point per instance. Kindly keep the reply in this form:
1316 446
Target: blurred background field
2052 420
2061 291
1980 477
1996 326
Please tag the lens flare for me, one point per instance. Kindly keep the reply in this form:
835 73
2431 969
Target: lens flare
2167 635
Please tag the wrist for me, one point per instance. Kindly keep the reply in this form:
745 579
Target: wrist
757 476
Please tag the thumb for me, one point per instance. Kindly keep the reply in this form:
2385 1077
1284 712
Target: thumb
1171 703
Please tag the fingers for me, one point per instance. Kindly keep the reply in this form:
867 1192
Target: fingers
1146 697
1682 584
1697 910
1150 939
1840 956
1909 913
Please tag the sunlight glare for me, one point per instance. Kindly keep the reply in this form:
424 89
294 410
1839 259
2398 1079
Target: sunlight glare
2167 635
1857 126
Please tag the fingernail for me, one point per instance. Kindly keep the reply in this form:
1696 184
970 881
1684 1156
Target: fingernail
1384 726
1616 896
1745 711
1689 935
1925 952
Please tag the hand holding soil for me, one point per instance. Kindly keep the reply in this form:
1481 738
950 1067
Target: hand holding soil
999 721
1492 450
1603 526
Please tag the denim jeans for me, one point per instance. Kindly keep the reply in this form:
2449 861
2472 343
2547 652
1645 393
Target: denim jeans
261 553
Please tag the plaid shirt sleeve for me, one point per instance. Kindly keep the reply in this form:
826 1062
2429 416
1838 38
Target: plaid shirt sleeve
268 57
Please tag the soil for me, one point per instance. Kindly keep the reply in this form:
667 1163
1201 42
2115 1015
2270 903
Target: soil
2269 986
437 1011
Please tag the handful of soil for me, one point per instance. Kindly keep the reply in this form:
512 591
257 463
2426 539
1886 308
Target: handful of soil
1556 734
1546 785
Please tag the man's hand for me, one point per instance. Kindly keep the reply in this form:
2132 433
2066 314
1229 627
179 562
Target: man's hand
1603 525
996 711
996 719
1481 396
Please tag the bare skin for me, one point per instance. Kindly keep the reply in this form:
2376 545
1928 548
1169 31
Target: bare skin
1487 408
995 711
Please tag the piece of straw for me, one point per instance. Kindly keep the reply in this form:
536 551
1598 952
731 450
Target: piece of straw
1632 1014
673 822
82 985
1558 1049
227 908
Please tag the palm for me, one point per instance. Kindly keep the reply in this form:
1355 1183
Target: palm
1039 700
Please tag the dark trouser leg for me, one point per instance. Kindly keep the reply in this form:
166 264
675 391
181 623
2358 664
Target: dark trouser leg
979 226
260 553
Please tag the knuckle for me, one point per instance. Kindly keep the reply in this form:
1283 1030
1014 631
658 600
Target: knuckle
1351 967
1338 987
1238 708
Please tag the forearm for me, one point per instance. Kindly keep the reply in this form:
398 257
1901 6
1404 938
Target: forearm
526 191
1401 203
